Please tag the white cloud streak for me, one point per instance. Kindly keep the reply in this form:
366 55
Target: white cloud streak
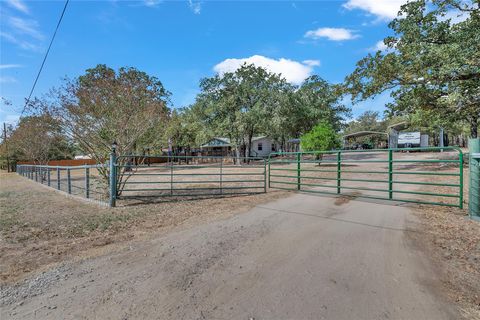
333 34
293 71
10 66
7 79
26 45
28 27
19 5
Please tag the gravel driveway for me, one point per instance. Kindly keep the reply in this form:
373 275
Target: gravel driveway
302 257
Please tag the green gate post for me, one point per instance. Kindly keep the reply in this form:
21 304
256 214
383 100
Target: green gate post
87 183
474 188
113 176
264 175
221 175
69 181
339 170
171 177
269 171
390 174
298 171
58 178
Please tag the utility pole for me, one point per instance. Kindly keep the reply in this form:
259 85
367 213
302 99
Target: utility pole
6 146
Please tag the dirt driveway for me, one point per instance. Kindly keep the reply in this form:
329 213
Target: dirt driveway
301 257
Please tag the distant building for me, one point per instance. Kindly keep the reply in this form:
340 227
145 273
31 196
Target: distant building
220 146
83 157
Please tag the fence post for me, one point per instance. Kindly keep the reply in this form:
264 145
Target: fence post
269 170
58 178
171 177
69 181
339 171
390 174
36 174
48 177
113 178
221 175
460 167
474 181
87 183
264 176
298 171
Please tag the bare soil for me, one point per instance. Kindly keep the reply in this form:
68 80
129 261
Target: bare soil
453 241
40 227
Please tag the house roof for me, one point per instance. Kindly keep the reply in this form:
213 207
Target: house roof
217 142
225 142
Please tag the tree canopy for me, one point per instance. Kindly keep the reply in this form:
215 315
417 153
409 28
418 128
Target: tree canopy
432 62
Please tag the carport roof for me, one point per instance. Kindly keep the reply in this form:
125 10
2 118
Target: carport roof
362 133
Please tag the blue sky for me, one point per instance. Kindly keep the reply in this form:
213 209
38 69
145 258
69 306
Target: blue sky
182 41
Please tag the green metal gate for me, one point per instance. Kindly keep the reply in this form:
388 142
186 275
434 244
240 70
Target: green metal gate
186 176
418 175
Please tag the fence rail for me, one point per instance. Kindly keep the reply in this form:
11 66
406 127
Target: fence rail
378 173
189 176
81 181
432 178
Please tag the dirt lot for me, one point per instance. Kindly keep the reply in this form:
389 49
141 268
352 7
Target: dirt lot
40 227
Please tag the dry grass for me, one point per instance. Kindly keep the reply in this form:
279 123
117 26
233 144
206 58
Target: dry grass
454 243
39 227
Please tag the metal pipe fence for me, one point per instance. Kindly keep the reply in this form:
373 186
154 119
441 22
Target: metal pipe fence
434 177
189 176
81 181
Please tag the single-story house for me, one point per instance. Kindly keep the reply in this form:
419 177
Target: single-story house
220 146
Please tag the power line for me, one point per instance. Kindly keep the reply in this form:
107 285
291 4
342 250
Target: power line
45 57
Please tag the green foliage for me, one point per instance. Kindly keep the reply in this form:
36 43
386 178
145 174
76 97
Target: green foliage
432 64
252 101
321 138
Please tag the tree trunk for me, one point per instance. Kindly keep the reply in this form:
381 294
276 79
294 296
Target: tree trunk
474 127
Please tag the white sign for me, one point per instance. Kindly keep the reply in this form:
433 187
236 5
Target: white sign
409 137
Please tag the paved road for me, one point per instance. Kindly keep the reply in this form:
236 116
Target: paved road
303 257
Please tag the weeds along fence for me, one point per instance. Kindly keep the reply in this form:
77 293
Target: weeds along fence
81 181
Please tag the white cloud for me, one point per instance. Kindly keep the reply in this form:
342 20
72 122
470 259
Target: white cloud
152 3
334 34
28 27
312 63
10 66
7 79
19 5
21 43
379 46
196 7
293 71
383 9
